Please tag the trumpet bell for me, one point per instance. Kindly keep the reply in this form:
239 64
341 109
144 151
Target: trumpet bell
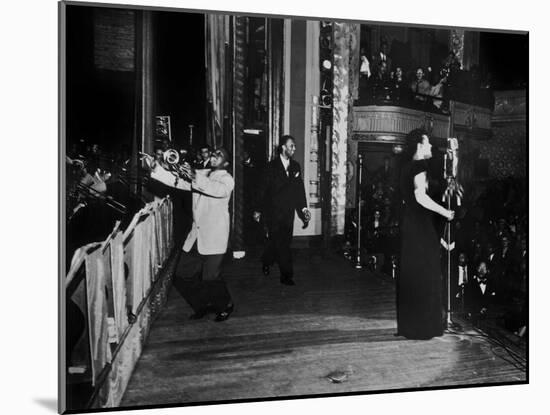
171 156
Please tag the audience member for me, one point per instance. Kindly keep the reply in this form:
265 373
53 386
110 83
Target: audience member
420 87
383 56
480 293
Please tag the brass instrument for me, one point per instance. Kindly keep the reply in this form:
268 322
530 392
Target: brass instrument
91 193
171 160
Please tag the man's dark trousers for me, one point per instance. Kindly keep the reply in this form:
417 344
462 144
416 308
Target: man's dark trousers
200 282
277 248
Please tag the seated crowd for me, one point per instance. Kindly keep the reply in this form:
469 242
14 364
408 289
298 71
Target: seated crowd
381 83
489 277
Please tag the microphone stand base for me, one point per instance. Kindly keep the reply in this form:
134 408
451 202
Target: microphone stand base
451 325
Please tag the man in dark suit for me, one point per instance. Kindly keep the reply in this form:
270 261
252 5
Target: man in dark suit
205 154
382 56
459 279
281 194
480 292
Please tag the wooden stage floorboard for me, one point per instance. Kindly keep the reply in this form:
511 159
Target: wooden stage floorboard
284 341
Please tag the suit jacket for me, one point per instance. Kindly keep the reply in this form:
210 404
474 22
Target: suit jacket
281 194
455 275
376 59
475 298
211 193
202 165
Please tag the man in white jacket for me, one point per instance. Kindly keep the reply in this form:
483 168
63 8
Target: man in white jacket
210 229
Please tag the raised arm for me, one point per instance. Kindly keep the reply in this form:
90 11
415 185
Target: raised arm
420 186
160 174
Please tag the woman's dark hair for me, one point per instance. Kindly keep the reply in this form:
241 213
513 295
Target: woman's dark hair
412 140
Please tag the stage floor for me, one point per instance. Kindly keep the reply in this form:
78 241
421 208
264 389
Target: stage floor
283 341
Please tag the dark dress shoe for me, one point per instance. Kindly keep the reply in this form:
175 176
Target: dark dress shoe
265 270
287 281
224 315
197 315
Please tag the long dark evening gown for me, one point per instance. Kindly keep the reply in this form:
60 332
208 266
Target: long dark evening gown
419 283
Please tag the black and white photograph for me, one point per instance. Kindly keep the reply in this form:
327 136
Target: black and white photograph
274 207
261 207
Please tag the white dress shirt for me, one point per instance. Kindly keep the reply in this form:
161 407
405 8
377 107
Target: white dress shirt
462 274
286 163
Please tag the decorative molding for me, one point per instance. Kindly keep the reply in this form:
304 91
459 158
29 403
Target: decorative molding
351 179
391 124
456 44
471 117
510 106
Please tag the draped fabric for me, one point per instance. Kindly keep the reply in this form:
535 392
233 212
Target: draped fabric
168 215
133 252
119 284
108 279
149 257
217 36
159 237
97 267
79 355
163 221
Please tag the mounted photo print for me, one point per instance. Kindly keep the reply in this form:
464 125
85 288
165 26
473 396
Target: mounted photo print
331 207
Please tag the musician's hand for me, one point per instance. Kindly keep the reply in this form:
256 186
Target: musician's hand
188 171
99 186
307 214
101 176
449 214
150 162
256 216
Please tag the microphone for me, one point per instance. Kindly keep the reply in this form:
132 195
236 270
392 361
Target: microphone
451 158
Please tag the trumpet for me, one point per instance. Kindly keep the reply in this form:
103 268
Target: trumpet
171 159
171 156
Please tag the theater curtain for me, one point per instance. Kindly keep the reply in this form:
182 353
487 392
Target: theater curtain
217 34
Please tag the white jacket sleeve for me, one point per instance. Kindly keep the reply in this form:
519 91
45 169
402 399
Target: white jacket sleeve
219 186
162 175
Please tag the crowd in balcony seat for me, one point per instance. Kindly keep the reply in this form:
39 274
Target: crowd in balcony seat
427 89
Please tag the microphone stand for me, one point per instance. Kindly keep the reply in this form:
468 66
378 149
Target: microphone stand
450 323
450 175
358 264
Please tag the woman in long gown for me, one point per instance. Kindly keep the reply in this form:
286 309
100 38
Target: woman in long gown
419 285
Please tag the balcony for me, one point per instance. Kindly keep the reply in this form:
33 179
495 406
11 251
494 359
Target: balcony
390 123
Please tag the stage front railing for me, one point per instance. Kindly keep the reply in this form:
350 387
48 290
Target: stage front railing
108 283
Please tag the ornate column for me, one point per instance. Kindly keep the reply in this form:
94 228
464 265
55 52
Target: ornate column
456 44
345 40
239 94
471 49
352 147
